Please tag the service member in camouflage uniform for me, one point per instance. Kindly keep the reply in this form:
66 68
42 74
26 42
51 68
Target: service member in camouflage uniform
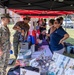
4 43
23 25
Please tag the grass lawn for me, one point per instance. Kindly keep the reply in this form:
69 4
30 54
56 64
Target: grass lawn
71 34
70 40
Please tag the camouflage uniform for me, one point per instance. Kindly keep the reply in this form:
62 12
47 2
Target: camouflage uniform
16 36
16 43
5 47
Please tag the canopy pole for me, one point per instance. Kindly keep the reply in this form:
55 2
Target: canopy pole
5 10
65 22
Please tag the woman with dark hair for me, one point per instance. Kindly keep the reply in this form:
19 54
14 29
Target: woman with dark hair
51 23
61 20
57 37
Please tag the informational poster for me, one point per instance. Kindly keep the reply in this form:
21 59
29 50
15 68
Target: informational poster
69 70
28 72
61 65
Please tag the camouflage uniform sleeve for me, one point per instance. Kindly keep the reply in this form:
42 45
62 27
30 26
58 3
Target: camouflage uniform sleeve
0 38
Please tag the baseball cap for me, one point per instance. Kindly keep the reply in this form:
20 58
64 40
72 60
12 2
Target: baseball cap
5 15
27 18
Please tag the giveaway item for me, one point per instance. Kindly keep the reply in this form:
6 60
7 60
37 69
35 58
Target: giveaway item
28 72
21 70
11 61
24 54
24 45
33 48
42 64
45 51
33 63
14 71
70 49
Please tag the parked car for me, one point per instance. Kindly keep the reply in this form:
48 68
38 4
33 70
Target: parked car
68 23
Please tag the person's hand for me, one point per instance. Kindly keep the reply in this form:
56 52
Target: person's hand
61 42
19 29
17 63
39 41
47 35
22 32
1 52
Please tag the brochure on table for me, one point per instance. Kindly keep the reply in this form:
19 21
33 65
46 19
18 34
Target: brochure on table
61 65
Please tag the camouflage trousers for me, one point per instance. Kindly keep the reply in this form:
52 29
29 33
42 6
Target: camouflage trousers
4 62
16 43
16 48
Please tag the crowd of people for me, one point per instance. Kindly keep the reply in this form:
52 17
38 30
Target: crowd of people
56 35
54 38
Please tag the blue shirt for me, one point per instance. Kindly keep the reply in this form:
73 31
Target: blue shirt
55 38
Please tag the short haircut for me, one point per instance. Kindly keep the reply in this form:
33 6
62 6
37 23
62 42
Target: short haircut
51 21
27 18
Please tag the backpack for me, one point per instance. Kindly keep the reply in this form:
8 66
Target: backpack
70 49
67 46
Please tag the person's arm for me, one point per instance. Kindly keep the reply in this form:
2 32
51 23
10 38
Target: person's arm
17 28
64 38
22 32
51 30
48 35
1 52
63 34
